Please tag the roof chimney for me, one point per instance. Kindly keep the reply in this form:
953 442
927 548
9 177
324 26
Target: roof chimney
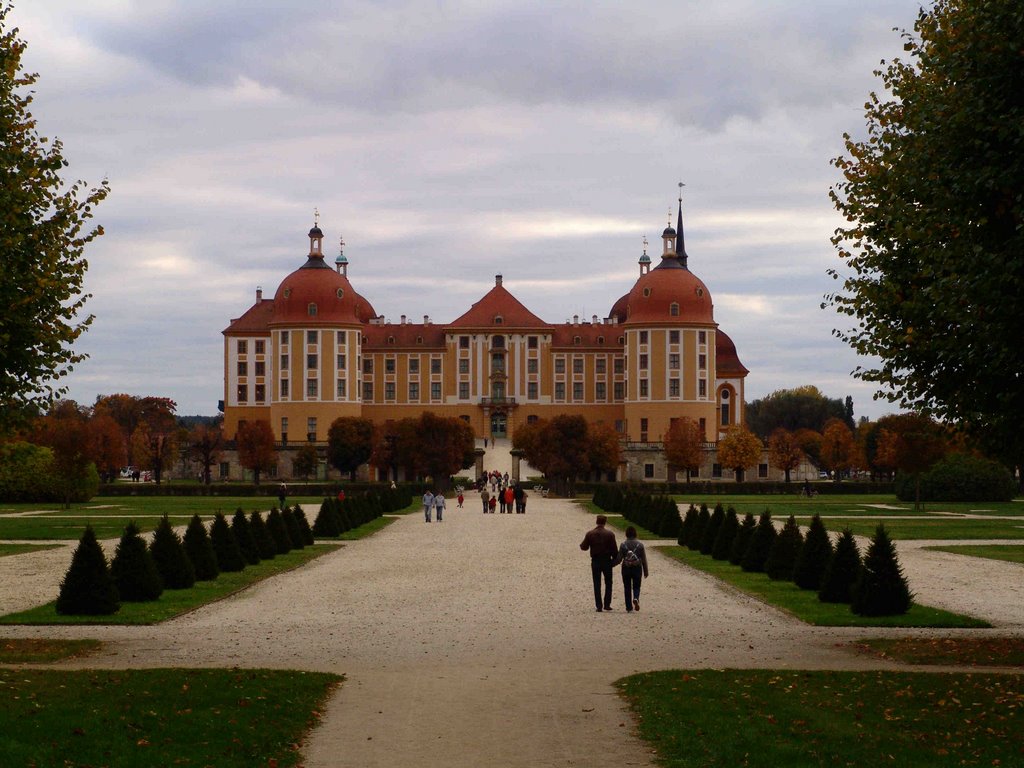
426 319
497 281
593 320
403 319
575 319
259 294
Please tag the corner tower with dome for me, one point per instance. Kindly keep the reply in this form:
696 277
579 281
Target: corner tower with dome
318 351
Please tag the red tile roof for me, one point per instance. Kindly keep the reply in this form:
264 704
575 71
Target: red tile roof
255 321
409 335
589 334
498 302
727 362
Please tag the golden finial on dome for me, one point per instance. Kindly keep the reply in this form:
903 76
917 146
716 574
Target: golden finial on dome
316 217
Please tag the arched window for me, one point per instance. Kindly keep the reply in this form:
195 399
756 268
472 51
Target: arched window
673 309
498 320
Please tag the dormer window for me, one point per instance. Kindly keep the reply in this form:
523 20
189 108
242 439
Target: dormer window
647 292
673 309
391 339
311 310
419 339
576 340
499 320
600 339
341 293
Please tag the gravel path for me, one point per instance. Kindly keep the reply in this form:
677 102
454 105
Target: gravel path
474 641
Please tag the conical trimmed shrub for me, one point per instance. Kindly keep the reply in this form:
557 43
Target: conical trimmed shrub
707 541
200 550
133 569
87 588
881 589
225 546
689 521
842 570
697 533
726 535
326 524
168 554
760 546
264 541
292 526
813 558
670 523
243 535
307 532
278 532
742 539
785 548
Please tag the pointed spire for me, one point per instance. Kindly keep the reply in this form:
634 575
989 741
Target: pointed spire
680 244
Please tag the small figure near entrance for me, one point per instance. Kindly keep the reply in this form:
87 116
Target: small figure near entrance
634 568
461 499
428 504
282 494
603 558
485 497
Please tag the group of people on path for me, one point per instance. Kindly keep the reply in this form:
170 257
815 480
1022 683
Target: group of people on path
605 555
435 503
503 494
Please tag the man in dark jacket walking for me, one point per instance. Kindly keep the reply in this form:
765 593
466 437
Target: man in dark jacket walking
603 550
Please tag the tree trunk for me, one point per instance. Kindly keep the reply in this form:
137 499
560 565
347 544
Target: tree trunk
787 475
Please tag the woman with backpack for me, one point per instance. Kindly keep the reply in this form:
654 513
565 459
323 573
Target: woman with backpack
633 557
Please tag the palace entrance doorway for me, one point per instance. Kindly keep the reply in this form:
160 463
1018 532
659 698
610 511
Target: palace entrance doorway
499 425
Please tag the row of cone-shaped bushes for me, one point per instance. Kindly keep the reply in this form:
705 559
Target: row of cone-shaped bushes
658 514
139 572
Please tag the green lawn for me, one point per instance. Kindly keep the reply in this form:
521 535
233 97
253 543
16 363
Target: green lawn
174 602
938 528
804 604
37 651
849 505
159 717
953 651
1011 553
773 718
18 549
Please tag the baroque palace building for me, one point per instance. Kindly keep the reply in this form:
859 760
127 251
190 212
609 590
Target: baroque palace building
318 350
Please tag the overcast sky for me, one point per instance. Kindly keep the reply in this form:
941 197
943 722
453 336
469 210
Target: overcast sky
449 142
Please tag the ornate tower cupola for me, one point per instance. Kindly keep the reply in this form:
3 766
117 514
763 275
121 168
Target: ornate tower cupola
316 238
668 238
341 262
645 260
680 243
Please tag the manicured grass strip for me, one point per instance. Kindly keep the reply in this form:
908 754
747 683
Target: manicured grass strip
37 651
151 717
784 505
931 528
804 603
71 528
19 549
366 529
1011 553
771 718
174 602
973 651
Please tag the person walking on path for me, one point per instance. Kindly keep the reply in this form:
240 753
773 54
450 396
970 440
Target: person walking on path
485 497
439 506
633 557
509 495
603 552
282 493
461 499
428 504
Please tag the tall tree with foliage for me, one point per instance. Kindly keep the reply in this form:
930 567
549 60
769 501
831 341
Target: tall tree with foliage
932 271
910 443
205 443
349 443
738 450
794 409
255 443
43 233
784 451
684 446
306 461
838 449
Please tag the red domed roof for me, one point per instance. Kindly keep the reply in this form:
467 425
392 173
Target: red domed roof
727 362
619 308
315 283
651 299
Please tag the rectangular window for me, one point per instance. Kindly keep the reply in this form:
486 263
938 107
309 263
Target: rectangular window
531 365
643 362
620 390
725 414
414 365
389 365
284 388
261 368
702 362
673 387
225 470
435 365
577 365
643 387
531 390
702 338
243 368
464 365
341 362
702 388
435 389
243 346
643 337
559 390
389 390
601 365
559 365
532 419
414 391
261 393
368 365
284 362
648 471
577 390
342 388
311 362
620 365
260 347
463 390
341 338
367 391
620 426
716 470
463 342
531 342
243 393
673 337
673 362
762 470
703 428
600 390
311 388
311 337
311 429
